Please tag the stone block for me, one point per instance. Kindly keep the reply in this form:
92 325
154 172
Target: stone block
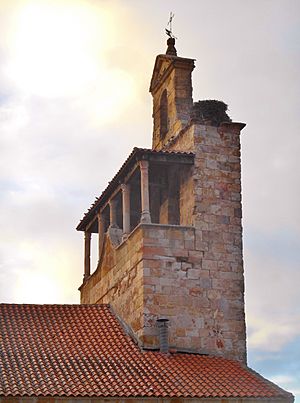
195 291
186 266
193 274
149 289
223 219
205 283
166 281
176 234
156 272
201 246
214 236
195 257
211 265
180 332
189 245
151 280
213 294
200 302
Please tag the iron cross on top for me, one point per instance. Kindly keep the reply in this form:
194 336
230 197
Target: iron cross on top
169 31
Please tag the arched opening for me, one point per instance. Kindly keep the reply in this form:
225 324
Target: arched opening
164 115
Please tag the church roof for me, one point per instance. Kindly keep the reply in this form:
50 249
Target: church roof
83 350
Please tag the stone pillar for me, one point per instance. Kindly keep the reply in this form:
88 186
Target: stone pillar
126 209
101 225
145 216
113 213
87 255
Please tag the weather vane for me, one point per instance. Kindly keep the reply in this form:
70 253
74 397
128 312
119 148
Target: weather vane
169 31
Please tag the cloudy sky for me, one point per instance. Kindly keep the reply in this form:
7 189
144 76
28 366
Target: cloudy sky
74 101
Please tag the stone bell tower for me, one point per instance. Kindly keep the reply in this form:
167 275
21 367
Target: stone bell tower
171 89
169 225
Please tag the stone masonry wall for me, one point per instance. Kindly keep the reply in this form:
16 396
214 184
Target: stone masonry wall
180 285
192 275
169 281
179 94
162 270
183 142
157 141
218 232
119 280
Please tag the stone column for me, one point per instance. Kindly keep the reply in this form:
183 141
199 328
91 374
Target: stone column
113 213
87 255
145 216
126 209
101 225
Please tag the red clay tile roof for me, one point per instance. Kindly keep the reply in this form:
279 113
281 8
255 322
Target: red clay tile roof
136 155
82 350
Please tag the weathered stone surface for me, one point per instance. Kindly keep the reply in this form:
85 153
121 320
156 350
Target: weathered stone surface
217 220
191 271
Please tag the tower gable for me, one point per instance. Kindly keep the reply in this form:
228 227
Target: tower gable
171 89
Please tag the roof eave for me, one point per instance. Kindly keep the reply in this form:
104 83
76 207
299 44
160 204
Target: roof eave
136 155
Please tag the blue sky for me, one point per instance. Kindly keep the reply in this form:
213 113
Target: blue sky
74 101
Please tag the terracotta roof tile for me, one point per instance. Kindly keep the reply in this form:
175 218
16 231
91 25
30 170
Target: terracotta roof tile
82 350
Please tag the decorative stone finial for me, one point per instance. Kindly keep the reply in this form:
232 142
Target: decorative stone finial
171 50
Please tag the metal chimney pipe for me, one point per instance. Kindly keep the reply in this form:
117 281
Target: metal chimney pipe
163 335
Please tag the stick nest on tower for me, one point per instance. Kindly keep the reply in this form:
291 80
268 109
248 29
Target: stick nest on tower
210 112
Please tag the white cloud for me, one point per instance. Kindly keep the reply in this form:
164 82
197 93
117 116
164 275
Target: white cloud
272 264
42 271
283 379
271 334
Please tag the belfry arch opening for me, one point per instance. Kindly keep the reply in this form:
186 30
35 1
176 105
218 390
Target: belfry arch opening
164 124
